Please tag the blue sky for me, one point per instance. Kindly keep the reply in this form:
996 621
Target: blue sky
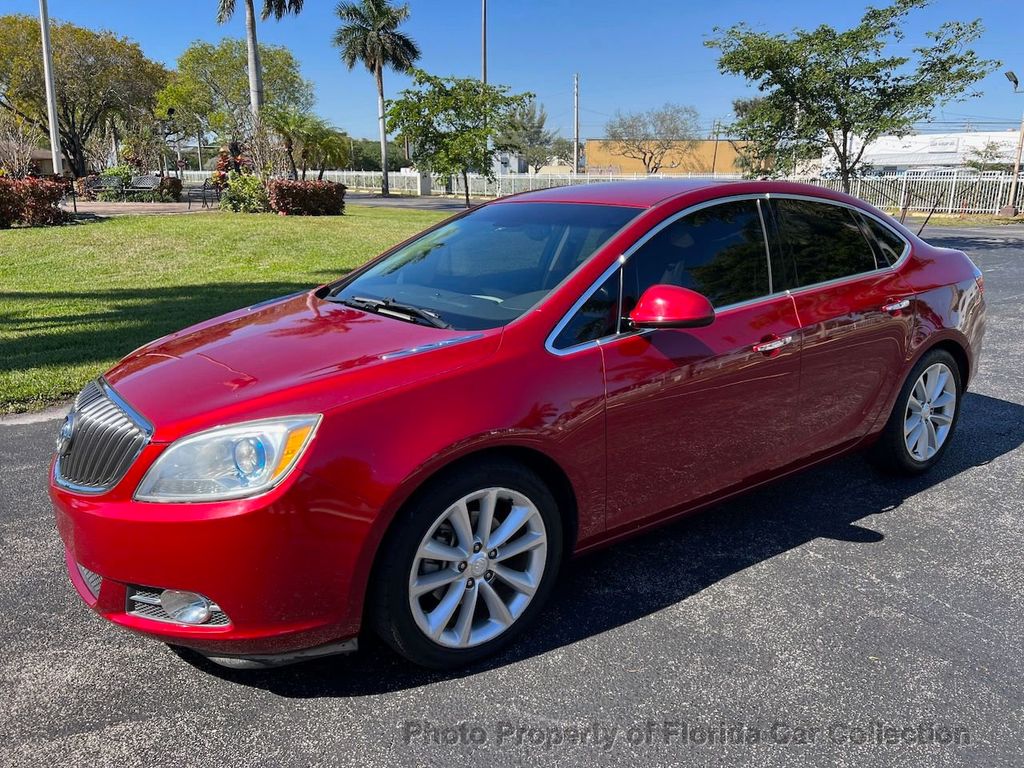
630 56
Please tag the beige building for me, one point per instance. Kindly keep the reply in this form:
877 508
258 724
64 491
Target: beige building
705 156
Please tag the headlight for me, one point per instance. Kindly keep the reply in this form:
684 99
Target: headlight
228 462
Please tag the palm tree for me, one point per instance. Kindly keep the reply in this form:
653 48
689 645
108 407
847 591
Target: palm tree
275 8
294 128
370 35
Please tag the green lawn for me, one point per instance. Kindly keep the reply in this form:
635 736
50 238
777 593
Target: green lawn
75 299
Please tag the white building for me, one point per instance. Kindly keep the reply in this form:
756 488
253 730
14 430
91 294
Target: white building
893 154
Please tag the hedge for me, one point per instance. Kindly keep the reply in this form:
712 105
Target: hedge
307 198
33 202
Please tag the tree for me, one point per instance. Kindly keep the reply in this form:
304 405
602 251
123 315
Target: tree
561 148
97 75
527 134
294 128
18 138
991 156
254 69
761 149
324 146
369 34
837 91
657 138
210 89
455 124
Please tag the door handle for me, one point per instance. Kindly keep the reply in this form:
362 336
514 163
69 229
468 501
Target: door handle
771 345
896 306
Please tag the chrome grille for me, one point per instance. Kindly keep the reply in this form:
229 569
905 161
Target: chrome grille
106 437
145 602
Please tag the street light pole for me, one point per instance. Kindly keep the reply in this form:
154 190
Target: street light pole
1010 209
483 42
51 97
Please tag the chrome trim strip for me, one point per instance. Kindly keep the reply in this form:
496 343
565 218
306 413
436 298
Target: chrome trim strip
140 421
767 249
549 341
430 347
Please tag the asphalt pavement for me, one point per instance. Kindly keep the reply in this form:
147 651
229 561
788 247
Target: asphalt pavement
835 618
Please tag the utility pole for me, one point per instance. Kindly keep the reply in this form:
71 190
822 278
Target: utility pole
51 97
576 123
483 42
1010 209
714 156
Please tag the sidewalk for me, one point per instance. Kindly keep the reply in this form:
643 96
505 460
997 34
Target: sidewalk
96 208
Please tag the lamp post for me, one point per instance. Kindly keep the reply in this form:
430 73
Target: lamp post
1010 209
51 97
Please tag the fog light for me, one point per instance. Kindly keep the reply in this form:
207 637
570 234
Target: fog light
186 607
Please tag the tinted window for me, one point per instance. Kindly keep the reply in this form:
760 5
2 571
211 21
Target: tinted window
486 268
823 242
598 317
890 245
718 251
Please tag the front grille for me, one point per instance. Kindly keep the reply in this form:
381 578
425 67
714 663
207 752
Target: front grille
145 602
93 581
107 435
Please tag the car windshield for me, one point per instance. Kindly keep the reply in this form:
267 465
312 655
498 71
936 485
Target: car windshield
488 267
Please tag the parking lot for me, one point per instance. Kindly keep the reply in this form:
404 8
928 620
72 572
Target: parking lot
835 618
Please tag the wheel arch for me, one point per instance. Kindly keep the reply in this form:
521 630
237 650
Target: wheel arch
547 468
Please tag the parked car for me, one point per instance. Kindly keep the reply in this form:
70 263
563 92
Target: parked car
416 447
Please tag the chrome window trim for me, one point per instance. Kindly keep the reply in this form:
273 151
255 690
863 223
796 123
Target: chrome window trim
856 209
759 196
549 343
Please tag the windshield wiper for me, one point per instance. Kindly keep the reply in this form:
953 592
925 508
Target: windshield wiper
393 308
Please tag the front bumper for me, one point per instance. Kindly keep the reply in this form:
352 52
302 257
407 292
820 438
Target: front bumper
283 567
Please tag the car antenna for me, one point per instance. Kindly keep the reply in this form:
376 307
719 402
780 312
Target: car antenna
928 217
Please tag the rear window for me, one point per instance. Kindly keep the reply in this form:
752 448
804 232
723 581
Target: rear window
890 245
822 241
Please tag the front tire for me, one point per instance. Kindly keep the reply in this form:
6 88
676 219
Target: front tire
468 565
924 417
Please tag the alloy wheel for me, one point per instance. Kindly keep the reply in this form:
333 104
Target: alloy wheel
930 410
478 567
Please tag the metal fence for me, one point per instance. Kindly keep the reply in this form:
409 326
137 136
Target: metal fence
951 192
947 193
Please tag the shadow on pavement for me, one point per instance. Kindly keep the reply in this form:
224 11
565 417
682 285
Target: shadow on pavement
630 580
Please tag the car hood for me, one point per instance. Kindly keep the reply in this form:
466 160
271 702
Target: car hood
298 354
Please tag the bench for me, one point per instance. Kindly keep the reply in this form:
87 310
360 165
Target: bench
143 184
207 193
105 184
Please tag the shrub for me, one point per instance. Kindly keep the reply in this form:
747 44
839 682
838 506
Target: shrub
245 193
170 189
35 202
10 201
307 198
124 172
83 187
41 202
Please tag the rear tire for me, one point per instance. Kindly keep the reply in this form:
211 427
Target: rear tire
489 536
923 418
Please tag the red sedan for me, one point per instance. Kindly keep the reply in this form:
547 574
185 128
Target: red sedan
416 447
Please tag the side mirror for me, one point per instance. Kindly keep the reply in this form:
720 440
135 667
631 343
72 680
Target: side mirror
669 306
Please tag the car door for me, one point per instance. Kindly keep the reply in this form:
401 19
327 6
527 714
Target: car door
856 316
691 412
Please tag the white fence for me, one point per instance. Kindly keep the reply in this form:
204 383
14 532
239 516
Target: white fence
951 192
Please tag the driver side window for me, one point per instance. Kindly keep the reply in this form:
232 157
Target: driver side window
717 251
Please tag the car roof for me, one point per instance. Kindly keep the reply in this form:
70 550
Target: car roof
642 193
647 193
